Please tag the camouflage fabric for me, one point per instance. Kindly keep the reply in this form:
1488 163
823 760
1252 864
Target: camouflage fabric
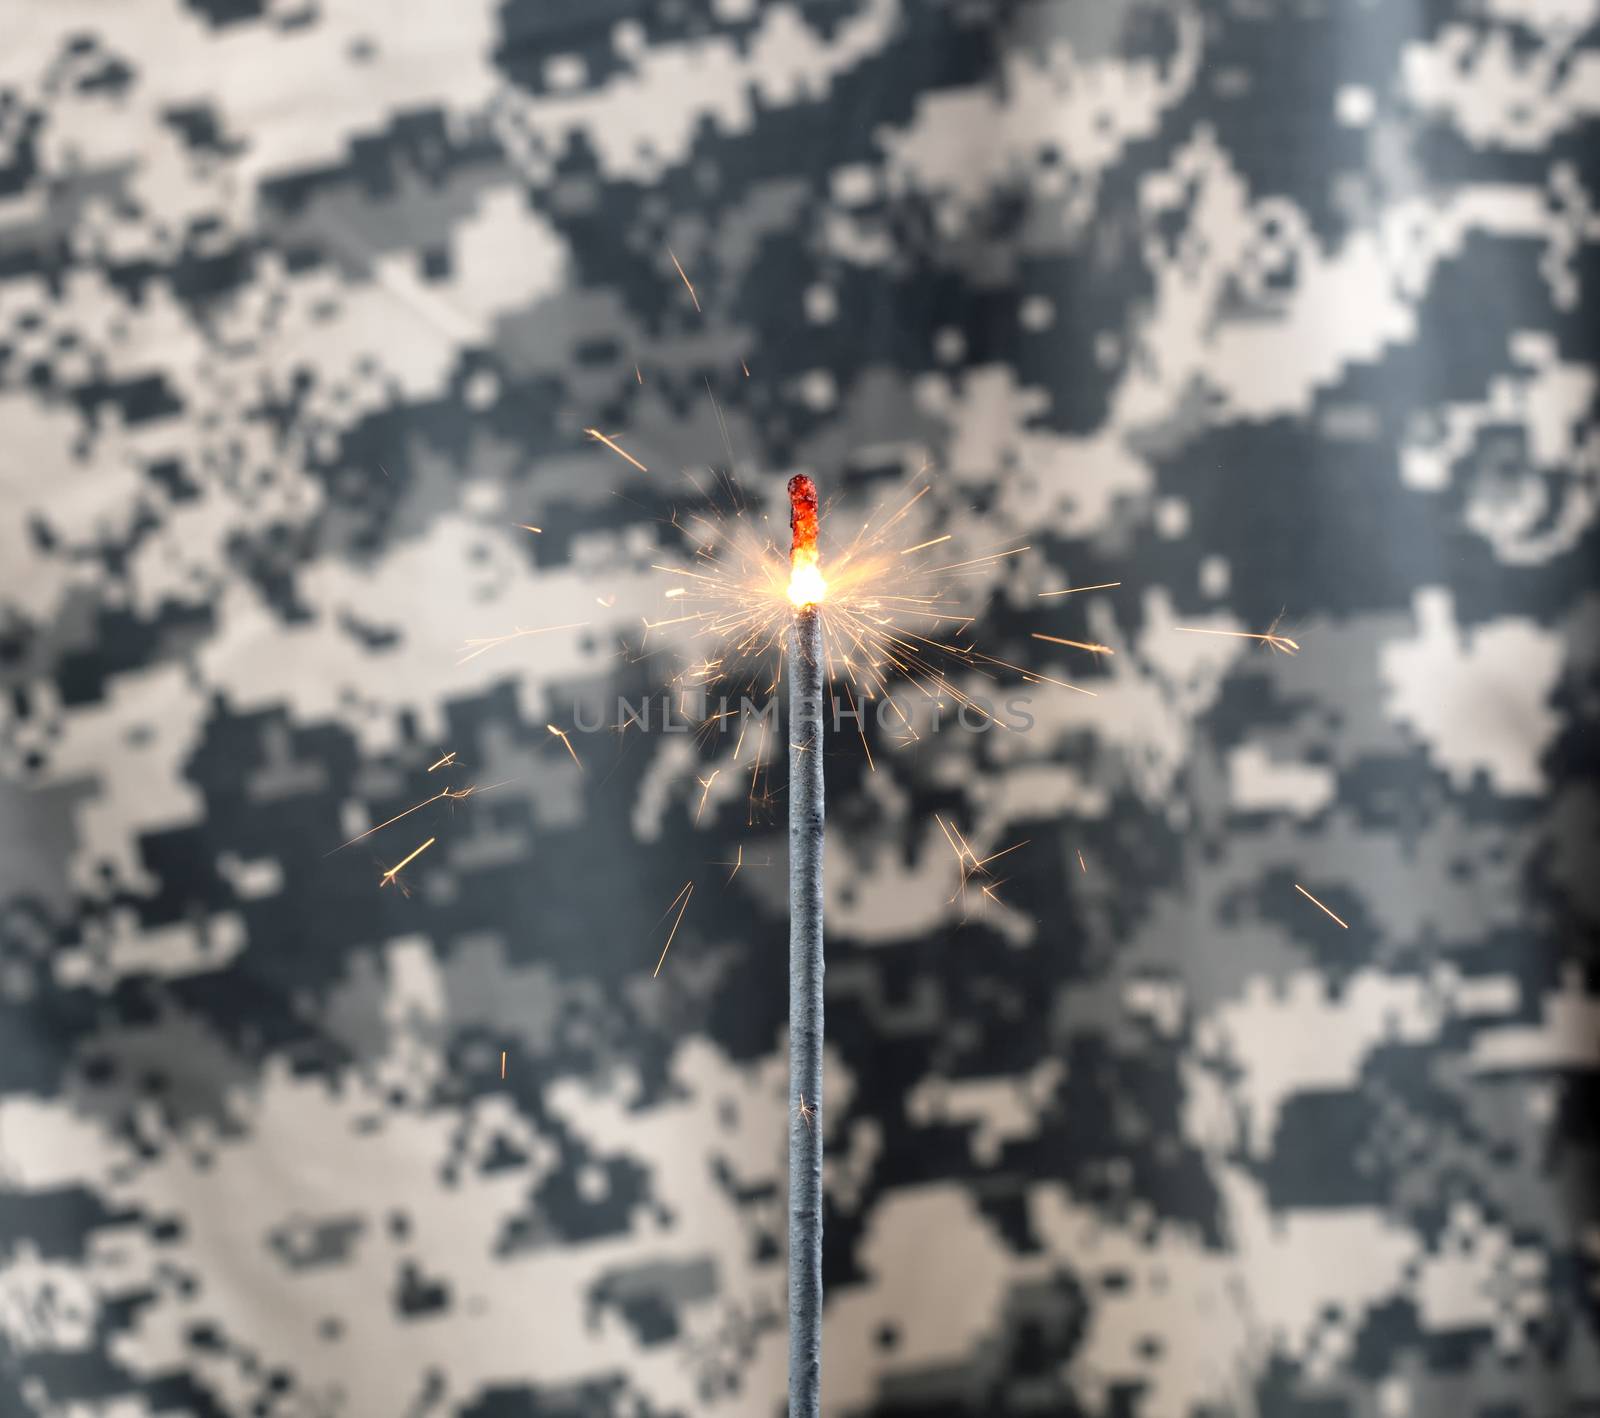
1280 313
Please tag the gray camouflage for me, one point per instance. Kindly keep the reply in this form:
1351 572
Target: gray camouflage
1278 312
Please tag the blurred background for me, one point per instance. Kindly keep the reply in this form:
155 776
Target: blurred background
1278 314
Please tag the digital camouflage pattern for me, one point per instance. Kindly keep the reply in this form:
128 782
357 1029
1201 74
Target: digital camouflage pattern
1265 308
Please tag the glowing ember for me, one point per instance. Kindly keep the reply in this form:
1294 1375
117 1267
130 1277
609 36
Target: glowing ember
806 586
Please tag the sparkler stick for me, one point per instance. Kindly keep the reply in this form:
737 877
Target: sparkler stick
806 589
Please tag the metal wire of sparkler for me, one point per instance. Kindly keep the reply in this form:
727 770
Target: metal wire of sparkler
807 591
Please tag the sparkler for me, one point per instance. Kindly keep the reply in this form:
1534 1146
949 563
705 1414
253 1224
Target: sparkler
885 613
806 591
874 619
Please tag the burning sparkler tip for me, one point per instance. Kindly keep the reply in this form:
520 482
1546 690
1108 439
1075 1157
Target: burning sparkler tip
802 494
806 586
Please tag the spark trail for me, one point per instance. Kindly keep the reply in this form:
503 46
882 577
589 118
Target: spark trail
616 448
1313 900
1265 637
393 874
681 901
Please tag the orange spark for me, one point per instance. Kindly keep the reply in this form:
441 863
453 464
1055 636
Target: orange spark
502 1063
1074 590
1076 644
637 375
969 864
481 645
529 527
1313 900
607 601
453 794
739 862
620 452
568 742
686 281
745 367
447 759
920 546
683 896
1277 642
979 866
396 818
982 560
705 783
394 871
961 860
1081 862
